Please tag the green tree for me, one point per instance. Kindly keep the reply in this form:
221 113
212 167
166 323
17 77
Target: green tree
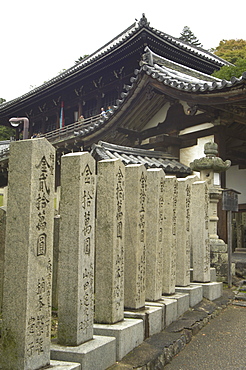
188 36
6 133
227 72
2 100
231 50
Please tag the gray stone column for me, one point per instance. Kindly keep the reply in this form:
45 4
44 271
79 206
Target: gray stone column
154 233
76 246
110 226
2 248
169 234
28 256
200 232
135 236
184 230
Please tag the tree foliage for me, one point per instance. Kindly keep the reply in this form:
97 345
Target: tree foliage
6 133
2 100
188 36
234 51
227 72
231 50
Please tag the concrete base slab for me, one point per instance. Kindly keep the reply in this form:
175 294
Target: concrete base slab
61 365
98 353
129 333
195 292
212 290
183 302
151 316
171 309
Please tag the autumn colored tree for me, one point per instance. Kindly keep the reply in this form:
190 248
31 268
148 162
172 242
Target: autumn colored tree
234 51
188 36
231 50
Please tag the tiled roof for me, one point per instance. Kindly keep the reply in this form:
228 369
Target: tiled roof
150 159
111 45
188 81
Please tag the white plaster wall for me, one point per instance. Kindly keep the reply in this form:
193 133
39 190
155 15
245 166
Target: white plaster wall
187 155
236 179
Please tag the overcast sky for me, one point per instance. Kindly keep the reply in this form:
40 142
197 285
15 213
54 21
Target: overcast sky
39 39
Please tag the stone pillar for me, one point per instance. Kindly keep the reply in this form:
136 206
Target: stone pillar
76 258
200 232
110 226
135 236
170 231
154 233
184 230
2 248
210 168
28 256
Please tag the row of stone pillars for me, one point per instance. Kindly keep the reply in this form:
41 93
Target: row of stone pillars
130 228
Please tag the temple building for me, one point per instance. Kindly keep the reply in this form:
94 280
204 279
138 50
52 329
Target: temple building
162 98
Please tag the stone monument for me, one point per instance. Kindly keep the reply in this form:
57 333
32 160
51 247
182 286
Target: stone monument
135 236
76 245
184 230
109 286
169 235
25 342
154 233
2 248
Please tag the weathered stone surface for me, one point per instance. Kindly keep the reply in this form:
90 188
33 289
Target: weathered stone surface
28 256
76 257
2 248
169 235
154 233
184 230
109 287
135 236
200 232
55 262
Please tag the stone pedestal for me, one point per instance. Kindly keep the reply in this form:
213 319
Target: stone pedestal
135 236
195 292
128 333
76 258
99 353
152 316
212 290
110 236
25 342
183 302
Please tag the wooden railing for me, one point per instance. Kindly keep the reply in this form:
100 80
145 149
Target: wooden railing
64 132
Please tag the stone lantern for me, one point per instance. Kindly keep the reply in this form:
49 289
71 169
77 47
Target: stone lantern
210 168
